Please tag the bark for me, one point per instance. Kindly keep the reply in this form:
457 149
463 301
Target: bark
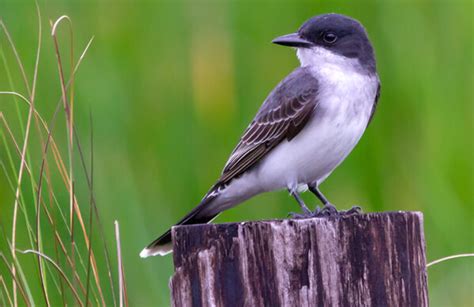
375 259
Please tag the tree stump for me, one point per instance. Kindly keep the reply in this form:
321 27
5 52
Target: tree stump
375 259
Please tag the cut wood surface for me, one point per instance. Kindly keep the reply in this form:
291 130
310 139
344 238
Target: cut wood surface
375 259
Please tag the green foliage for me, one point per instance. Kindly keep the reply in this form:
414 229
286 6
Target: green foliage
172 84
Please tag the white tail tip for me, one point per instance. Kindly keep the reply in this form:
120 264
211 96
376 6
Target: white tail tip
156 251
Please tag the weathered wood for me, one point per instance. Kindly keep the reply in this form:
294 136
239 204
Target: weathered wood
375 259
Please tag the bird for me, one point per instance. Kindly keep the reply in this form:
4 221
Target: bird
305 128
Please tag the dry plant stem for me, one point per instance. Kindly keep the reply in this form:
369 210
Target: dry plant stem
69 121
48 214
57 238
91 212
15 280
25 146
69 118
74 292
64 175
58 159
101 230
124 284
51 197
38 210
19 154
122 288
6 291
15 143
17 57
68 179
53 222
449 258
45 167
117 239
63 172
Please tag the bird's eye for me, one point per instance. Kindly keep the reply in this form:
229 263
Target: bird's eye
330 38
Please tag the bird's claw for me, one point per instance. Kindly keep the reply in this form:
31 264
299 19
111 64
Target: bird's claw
295 215
352 211
330 211
327 211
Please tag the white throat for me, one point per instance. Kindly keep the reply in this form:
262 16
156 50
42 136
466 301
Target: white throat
319 57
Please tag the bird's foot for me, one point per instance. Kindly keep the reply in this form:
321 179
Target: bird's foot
330 211
327 211
304 215
295 215
351 211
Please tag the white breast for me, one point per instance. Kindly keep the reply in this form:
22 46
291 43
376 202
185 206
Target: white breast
346 96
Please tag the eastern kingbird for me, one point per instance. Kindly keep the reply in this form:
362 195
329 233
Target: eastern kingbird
305 128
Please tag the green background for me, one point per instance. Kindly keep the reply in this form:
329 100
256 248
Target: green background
172 84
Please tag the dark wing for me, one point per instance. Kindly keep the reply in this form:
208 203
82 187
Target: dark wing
376 102
282 116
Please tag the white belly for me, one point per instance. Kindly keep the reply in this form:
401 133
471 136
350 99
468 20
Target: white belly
340 119
346 97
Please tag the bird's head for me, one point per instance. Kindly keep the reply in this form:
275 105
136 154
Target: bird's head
331 38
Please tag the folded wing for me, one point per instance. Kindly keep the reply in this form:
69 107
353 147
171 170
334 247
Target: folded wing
282 116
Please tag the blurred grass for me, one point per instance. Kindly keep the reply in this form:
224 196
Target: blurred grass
172 84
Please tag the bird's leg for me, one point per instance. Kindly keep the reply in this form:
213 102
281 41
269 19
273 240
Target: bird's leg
315 190
306 211
329 209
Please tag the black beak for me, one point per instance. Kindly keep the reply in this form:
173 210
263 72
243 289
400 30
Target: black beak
292 40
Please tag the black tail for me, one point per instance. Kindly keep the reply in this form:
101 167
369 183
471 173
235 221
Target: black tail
162 245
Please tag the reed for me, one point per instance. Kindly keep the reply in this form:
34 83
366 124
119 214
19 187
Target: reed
64 240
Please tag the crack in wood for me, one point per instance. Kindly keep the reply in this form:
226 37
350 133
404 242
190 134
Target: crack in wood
375 259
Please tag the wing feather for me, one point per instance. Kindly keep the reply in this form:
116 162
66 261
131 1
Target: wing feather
282 116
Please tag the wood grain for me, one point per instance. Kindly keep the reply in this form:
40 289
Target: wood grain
375 259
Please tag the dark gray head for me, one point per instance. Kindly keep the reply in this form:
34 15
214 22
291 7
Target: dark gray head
336 33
